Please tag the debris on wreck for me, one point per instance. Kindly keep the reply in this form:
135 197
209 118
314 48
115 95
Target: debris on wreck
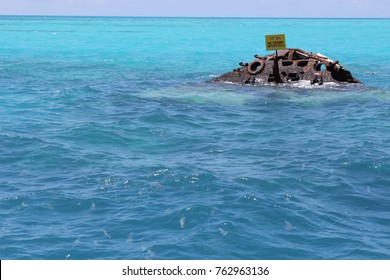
289 66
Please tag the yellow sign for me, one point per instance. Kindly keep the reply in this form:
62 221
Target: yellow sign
275 42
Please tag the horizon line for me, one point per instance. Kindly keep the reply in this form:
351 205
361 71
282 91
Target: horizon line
210 17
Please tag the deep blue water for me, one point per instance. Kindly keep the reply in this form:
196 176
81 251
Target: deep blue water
113 145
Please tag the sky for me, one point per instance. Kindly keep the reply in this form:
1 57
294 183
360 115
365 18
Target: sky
200 8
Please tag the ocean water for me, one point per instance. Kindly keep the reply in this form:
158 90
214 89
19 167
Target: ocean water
114 145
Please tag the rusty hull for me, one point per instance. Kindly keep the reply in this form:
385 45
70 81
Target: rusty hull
292 65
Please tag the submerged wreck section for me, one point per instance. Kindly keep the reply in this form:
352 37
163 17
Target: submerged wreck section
288 66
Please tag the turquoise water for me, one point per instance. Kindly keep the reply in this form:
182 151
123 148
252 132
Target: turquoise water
113 145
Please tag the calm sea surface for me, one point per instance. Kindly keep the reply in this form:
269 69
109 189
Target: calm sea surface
113 145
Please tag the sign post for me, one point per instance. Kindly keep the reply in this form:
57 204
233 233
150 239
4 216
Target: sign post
275 42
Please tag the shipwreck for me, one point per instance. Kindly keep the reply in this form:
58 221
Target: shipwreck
289 66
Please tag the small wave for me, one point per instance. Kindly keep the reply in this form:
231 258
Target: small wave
36 31
304 84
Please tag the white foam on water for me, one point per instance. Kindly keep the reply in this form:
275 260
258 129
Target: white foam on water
129 240
182 222
106 234
289 226
223 232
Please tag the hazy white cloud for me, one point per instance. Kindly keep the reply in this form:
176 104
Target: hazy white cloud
239 8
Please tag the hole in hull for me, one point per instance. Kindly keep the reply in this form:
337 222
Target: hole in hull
287 63
302 63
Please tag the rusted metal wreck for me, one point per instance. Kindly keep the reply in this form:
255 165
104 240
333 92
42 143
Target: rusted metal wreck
289 66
